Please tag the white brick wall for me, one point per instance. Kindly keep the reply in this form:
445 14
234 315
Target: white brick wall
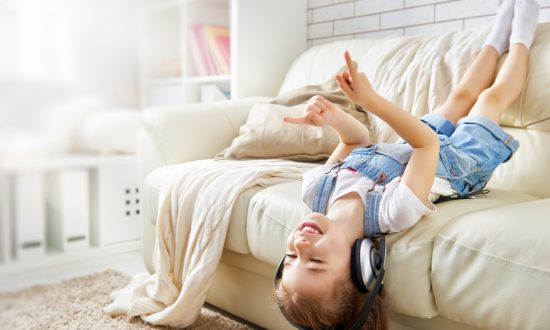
330 20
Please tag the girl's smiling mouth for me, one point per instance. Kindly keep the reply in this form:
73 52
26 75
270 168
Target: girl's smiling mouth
309 227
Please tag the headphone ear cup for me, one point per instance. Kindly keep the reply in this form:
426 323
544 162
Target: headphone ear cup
375 260
356 271
366 263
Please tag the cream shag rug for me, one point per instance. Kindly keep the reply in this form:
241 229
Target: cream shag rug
78 304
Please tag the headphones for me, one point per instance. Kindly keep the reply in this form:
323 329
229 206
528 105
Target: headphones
367 273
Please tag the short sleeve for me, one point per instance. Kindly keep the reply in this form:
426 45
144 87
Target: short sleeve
400 209
310 179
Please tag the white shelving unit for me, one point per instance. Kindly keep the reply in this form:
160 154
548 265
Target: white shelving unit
265 36
56 210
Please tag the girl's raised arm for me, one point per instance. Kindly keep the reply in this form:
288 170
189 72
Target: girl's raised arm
420 171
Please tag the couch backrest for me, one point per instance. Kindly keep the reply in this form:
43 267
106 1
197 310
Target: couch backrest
418 74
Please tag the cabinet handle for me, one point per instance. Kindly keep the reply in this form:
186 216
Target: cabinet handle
32 244
76 238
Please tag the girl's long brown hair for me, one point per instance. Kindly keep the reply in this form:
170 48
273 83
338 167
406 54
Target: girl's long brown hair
343 309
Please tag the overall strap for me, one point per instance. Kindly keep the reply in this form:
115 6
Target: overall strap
324 188
371 224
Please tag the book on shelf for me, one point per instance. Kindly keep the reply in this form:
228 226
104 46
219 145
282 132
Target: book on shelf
217 37
209 48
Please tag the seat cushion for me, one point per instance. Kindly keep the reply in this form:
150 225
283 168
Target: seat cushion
236 239
490 266
272 214
409 265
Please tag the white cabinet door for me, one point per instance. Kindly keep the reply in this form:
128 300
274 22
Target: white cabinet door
116 204
29 215
68 208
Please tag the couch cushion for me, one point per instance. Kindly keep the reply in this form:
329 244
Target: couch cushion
530 177
272 214
274 211
409 266
236 233
490 266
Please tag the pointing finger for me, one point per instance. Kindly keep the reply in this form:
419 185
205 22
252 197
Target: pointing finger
349 63
296 120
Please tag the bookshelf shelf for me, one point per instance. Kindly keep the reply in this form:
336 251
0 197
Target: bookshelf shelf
165 81
191 80
264 37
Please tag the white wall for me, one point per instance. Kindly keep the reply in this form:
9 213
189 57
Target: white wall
330 20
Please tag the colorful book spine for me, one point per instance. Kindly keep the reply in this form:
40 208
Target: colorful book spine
209 48
213 36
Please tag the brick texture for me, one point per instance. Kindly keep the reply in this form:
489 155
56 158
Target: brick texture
330 20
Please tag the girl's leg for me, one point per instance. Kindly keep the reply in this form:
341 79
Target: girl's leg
508 85
481 72
509 82
479 75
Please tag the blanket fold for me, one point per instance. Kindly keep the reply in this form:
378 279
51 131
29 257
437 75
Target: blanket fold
192 223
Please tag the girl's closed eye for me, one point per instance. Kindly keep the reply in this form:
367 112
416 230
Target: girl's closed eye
318 261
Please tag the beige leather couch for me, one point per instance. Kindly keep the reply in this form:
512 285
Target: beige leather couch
475 263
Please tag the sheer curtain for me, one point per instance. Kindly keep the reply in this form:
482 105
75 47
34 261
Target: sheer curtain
39 39
61 60
86 44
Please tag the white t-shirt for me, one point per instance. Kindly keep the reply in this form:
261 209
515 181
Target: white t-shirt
399 207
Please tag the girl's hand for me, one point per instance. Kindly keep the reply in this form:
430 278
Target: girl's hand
317 112
355 84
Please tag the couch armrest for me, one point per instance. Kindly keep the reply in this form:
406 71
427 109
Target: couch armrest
171 135
195 131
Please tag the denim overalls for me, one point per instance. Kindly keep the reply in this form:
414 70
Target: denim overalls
468 155
381 163
384 162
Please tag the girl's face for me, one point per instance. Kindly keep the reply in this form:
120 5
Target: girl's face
317 257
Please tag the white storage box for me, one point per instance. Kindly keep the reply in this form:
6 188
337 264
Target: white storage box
68 209
29 215
115 203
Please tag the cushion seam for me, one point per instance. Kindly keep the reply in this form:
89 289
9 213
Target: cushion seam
521 266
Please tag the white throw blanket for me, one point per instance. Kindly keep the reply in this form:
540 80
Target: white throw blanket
192 222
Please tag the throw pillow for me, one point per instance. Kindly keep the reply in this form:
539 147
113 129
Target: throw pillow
265 135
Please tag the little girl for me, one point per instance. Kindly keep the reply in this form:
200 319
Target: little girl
370 190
